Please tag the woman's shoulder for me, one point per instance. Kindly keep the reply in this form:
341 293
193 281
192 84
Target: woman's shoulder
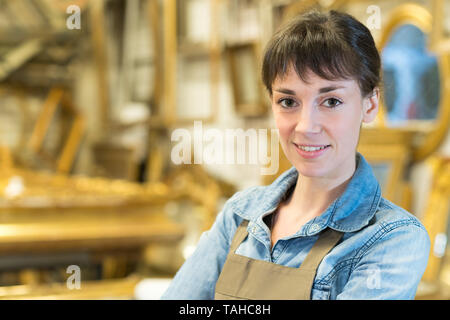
244 201
392 223
390 214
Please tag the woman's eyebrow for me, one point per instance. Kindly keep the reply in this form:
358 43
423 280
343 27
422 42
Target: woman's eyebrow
321 90
331 88
286 91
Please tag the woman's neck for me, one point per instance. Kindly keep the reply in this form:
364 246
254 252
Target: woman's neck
312 195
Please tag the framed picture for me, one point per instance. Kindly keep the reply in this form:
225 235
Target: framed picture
58 132
248 93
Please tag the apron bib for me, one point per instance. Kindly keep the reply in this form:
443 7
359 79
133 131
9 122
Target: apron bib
244 278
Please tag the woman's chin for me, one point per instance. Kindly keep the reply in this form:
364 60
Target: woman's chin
312 170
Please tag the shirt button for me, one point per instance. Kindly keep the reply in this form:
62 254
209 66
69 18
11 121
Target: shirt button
314 227
254 229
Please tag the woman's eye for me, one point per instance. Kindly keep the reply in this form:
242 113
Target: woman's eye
334 103
287 103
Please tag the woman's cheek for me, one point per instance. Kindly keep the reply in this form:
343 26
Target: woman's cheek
346 130
284 128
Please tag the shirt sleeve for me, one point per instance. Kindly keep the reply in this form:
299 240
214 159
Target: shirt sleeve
392 266
197 277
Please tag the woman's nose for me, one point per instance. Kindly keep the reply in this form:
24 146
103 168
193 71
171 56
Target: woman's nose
307 121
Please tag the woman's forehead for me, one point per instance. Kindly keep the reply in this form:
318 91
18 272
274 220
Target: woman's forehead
310 80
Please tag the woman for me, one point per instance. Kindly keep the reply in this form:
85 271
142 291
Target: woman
322 230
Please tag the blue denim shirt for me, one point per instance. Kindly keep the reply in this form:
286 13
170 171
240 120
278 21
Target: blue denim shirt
382 255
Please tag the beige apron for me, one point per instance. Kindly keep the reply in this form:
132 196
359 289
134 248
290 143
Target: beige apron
245 278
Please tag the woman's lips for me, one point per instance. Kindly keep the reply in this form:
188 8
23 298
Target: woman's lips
311 151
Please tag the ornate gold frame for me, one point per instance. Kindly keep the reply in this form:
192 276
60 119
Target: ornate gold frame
422 18
57 98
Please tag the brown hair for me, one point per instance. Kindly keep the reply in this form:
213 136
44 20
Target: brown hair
333 45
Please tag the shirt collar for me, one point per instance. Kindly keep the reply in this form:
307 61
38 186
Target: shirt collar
348 213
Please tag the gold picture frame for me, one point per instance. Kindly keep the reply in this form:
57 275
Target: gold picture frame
433 132
57 98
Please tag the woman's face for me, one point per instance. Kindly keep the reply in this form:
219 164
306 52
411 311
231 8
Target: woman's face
319 122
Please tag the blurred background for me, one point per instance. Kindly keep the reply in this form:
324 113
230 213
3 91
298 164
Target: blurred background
98 96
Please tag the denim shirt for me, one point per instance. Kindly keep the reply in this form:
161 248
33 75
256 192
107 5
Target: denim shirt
382 254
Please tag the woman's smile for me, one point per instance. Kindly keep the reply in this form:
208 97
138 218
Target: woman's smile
311 151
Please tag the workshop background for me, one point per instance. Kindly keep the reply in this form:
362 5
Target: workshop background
97 98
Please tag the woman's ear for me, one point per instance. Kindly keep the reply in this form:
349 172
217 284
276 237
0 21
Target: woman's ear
370 106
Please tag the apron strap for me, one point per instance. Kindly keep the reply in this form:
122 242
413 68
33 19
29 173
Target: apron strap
239 236
327 240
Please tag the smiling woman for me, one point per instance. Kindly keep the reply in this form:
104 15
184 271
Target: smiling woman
321 230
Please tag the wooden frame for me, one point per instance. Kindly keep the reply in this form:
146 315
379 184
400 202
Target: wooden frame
436 218
97 18
171 49
57 98
241 55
